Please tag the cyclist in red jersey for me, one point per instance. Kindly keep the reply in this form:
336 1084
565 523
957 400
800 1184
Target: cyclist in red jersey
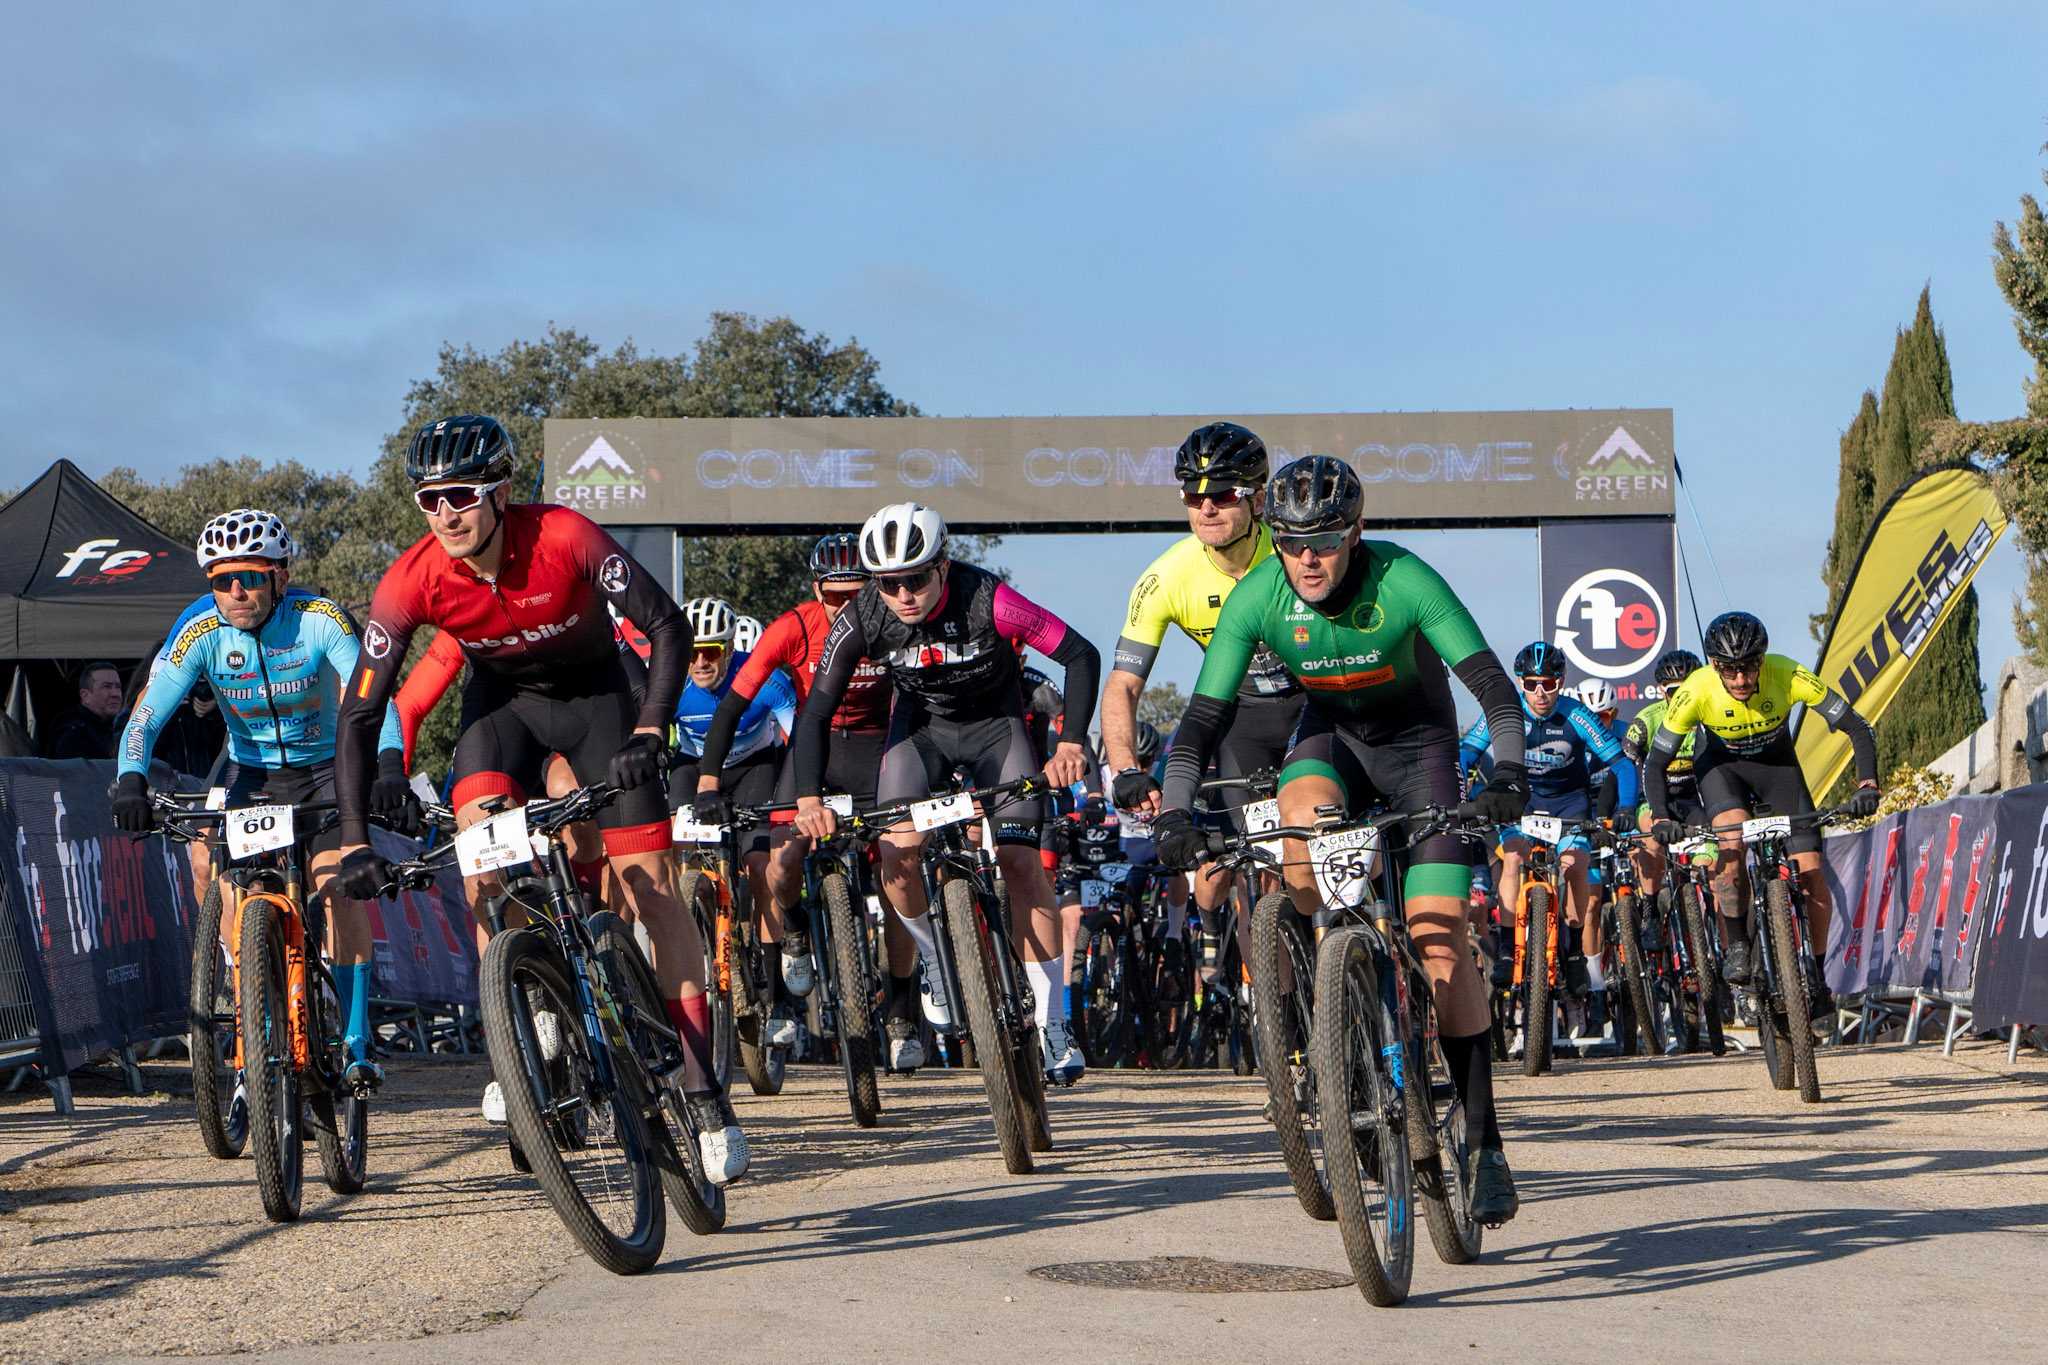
523 589
793 641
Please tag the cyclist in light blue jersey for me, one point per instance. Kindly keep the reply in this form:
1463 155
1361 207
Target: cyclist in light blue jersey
263 646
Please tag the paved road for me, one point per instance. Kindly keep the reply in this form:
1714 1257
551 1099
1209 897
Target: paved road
1673 1206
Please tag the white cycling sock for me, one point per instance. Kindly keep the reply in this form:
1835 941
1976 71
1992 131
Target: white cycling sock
920 927
1050 994
1596 974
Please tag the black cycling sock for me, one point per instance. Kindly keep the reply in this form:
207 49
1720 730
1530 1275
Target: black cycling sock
1471 1063
796 919
903 998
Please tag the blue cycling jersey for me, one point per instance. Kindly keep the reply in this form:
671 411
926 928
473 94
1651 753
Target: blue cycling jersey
278 709
1563 750
768 717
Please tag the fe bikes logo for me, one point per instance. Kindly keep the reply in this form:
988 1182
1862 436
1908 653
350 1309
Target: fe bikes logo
1611 623
103 561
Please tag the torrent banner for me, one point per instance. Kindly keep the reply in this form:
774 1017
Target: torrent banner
2012 965
1609 602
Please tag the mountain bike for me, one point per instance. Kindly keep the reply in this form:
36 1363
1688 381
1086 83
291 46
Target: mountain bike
976 957
747 972
1787 970
593 1097
1681 953
1221 1030
1649 1004
845 951
1134 1004
286 1036
1376 1056
1537 913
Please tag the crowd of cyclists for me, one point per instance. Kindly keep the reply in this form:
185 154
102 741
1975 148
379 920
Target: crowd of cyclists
905 677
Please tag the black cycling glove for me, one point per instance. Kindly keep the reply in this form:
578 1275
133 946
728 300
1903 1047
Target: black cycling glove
1502 800
1863 803
637 762
711 808
391 797
1130 788
1180 844
1667 832
364 874
133 813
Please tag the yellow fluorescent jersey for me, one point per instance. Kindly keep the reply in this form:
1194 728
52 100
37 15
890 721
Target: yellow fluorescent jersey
1750 727
1184 588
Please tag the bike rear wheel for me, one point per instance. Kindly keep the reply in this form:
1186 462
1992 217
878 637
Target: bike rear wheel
697 891
341 1130
276 1139
1436 1143
1283 1023
698 1202
1102 1005
1792 984
589 1147
1706 969
217 1093
998 1061
1536 964
1359 1064
1648 1031
855 990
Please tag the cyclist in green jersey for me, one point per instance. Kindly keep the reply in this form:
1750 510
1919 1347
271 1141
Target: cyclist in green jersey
1671 670
1371 633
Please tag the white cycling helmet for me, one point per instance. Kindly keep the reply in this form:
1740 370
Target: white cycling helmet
711 620
903 535
746 633
245 533
1597 695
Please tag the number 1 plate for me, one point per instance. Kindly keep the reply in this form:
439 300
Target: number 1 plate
500 841
258 829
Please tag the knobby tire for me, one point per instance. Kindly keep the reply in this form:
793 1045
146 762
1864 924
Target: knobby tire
275 1131
855 986
1283 1037
1792 982
1648 1036
223 1123
1536 964
998 1063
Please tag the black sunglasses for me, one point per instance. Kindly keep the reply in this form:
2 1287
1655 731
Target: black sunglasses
905 584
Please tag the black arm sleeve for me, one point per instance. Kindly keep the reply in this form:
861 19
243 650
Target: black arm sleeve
718 738
1204 720
1083 663
1656 770
1844 719
1488 683
846 644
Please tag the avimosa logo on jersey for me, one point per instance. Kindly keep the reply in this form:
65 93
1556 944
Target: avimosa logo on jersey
1611 623
103 561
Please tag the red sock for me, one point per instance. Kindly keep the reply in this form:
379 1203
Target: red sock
590 875
691 1019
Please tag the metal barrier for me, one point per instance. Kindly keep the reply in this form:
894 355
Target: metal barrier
19 1038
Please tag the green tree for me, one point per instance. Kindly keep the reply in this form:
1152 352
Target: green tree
1942 699
1162 704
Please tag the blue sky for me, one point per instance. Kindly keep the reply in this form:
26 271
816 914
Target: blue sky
247 234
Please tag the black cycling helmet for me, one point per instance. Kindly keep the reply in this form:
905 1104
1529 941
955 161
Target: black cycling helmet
1220 455
1040 695
1735 635
1314 493
1539 659
1676 667
836 558
465 447
1146 744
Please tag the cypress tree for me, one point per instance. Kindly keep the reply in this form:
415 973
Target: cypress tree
1942 699
1852 511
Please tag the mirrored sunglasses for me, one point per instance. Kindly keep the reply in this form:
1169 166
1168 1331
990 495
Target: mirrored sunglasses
459 497
250 579
1323 543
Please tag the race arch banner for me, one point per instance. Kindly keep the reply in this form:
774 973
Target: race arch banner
1926 543
757 475
1610 602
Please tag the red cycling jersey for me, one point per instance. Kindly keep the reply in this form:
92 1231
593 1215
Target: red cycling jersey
794 640
540 626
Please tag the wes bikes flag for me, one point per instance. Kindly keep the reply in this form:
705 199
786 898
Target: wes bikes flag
1927 542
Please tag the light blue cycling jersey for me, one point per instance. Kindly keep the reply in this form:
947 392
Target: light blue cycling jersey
768 718
279 710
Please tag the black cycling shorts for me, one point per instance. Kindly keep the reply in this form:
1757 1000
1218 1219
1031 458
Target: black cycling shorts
923 750
1261 735
1759 784
1406 771
748 782
506 736
853 765
259 786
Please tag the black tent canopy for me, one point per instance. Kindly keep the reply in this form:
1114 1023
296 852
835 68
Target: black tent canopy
82 576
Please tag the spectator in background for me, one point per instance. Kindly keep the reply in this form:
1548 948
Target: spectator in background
191 740
88 731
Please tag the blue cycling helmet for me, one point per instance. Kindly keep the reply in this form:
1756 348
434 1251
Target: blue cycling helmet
1539 659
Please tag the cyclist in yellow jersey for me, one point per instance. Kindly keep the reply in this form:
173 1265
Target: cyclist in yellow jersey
1741 702
1222 469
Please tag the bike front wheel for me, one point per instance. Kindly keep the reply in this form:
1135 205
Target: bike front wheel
998 1061
586 1141
1792 985
1360 1066
275 1098
856 992
1649 1035
1282 951
1537 961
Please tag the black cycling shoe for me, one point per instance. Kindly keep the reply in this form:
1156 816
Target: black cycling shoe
1822 1004
1494 1200
1735 965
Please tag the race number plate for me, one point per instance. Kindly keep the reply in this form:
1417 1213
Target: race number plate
500 841
423 789
1697 846
1344 864
216 798
840 804
1260 816
258 829
1764 826
684 829
1092 892
1114 873
1548 828
926 816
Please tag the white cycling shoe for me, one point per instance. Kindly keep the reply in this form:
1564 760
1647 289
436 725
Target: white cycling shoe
494 1103
797 974
721 1146
906 1048
931 995
1064 1063
779 1028
547 1031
